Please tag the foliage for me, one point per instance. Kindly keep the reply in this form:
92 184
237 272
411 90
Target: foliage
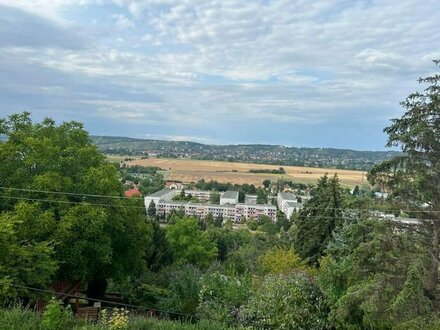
318 219
18 318
221 296
261 196
283 222
55 316
269 227
414 177
286 302
227 240
82 231
266 184
189 244
252 224
214 197
184 288
281 260
371 268
149 179
22 263
89 241
151 211
117 320
158 253
280 170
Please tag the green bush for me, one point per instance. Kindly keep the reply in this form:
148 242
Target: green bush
286 302
183 291
56 317
221 296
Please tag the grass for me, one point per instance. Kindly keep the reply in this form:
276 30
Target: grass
19 318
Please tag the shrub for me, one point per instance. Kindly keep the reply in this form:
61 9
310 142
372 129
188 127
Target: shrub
55 316
183 291
286 302
282 261
221 296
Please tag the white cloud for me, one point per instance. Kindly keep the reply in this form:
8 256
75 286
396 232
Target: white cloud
122 21
210 62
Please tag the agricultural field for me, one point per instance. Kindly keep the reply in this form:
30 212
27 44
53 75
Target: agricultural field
119 158
188 170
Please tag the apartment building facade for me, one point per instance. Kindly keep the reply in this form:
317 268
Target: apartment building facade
287 203
229 208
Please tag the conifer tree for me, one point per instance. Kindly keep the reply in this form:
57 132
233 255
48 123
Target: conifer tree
318 219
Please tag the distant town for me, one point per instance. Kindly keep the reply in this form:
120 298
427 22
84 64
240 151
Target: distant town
252 153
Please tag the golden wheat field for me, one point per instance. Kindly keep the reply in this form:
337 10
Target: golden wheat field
188 170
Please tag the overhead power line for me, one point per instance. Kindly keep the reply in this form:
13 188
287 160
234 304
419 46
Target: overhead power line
140 198
71 202
365 212
69 193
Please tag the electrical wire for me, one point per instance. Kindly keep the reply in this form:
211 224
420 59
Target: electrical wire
140 198
358 211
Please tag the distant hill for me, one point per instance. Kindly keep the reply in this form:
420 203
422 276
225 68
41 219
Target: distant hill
249 153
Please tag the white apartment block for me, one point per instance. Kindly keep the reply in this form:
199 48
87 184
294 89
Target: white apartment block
287 203
164 194
249 211
201 195
229 207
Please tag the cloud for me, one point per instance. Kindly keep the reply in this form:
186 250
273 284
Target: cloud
192 138
208 65
19 28
122 21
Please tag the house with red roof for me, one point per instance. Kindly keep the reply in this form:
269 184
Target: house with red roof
132 193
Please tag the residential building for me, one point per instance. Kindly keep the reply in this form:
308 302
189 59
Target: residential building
174 185
250 199
229 208
288 203
249 211
164 194
132 193
229 197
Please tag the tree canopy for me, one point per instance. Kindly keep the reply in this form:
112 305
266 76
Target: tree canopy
318 219
414 177
66 201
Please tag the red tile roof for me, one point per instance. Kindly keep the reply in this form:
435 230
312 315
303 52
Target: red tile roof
132 192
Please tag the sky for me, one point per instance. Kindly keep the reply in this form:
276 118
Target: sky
322 73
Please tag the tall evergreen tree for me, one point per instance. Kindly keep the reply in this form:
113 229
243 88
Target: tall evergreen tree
415 176
151 209
318 219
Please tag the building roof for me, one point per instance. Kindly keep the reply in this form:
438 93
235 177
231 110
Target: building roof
294 204
132 192
230 194
287 196
256 206
160 193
